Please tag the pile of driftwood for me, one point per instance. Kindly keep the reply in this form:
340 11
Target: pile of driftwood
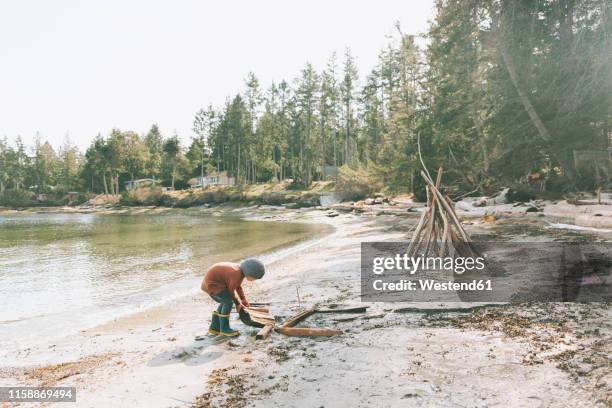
256 316
439 231
260 317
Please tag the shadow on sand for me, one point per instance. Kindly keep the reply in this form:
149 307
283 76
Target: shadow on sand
192 355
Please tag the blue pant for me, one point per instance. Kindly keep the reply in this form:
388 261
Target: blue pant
225 300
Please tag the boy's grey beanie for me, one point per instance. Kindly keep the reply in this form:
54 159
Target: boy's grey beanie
253 267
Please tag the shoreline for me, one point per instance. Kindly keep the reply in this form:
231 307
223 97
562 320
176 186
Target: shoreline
167 292
151 358
40 364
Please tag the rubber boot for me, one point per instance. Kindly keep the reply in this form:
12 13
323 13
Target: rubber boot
226 330
215 325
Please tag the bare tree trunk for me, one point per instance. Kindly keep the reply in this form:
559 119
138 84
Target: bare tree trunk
301 166
322 137
275 172
238 170
348 133
335 148
533 115
104 181
173 174
481 137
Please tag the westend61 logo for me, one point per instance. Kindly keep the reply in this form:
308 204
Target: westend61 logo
498 272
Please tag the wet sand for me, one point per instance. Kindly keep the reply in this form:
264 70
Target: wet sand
507 356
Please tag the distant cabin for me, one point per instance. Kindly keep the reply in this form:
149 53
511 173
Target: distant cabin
213 179
133 184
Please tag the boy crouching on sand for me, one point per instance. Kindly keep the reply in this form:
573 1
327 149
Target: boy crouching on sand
221 282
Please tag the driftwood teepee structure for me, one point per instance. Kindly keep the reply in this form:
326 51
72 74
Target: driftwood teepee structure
439 232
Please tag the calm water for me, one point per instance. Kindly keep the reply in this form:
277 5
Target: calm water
63 272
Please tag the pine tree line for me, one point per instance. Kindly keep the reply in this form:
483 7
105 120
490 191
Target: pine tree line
504 90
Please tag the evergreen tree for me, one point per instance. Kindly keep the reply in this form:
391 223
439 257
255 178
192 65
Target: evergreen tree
154 141
70 159
347 95
172 156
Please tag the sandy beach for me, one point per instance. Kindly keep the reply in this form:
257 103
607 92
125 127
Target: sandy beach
551 355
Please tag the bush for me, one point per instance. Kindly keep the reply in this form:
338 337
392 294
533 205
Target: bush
419 190
81 199
142 196
128 198
355 184
273 198
18 198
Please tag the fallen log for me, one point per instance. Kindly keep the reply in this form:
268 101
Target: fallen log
265 332
307 332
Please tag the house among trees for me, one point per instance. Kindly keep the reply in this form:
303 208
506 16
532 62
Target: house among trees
221 178
134 184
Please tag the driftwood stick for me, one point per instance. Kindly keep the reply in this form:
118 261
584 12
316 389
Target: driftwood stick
430 226
265 332
450 211
440 212
360 309
417 232
445 232
307 332
256 314
421 157
420 237
439 178
298 317
448 310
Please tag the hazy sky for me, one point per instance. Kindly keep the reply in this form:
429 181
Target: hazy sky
83 67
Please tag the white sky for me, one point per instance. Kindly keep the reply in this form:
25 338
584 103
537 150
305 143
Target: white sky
83 67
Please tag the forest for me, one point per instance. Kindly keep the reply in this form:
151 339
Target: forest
504 92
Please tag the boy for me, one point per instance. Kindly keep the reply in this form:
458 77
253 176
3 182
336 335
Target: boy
220 282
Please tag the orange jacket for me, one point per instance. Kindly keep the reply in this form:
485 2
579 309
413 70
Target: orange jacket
224 276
